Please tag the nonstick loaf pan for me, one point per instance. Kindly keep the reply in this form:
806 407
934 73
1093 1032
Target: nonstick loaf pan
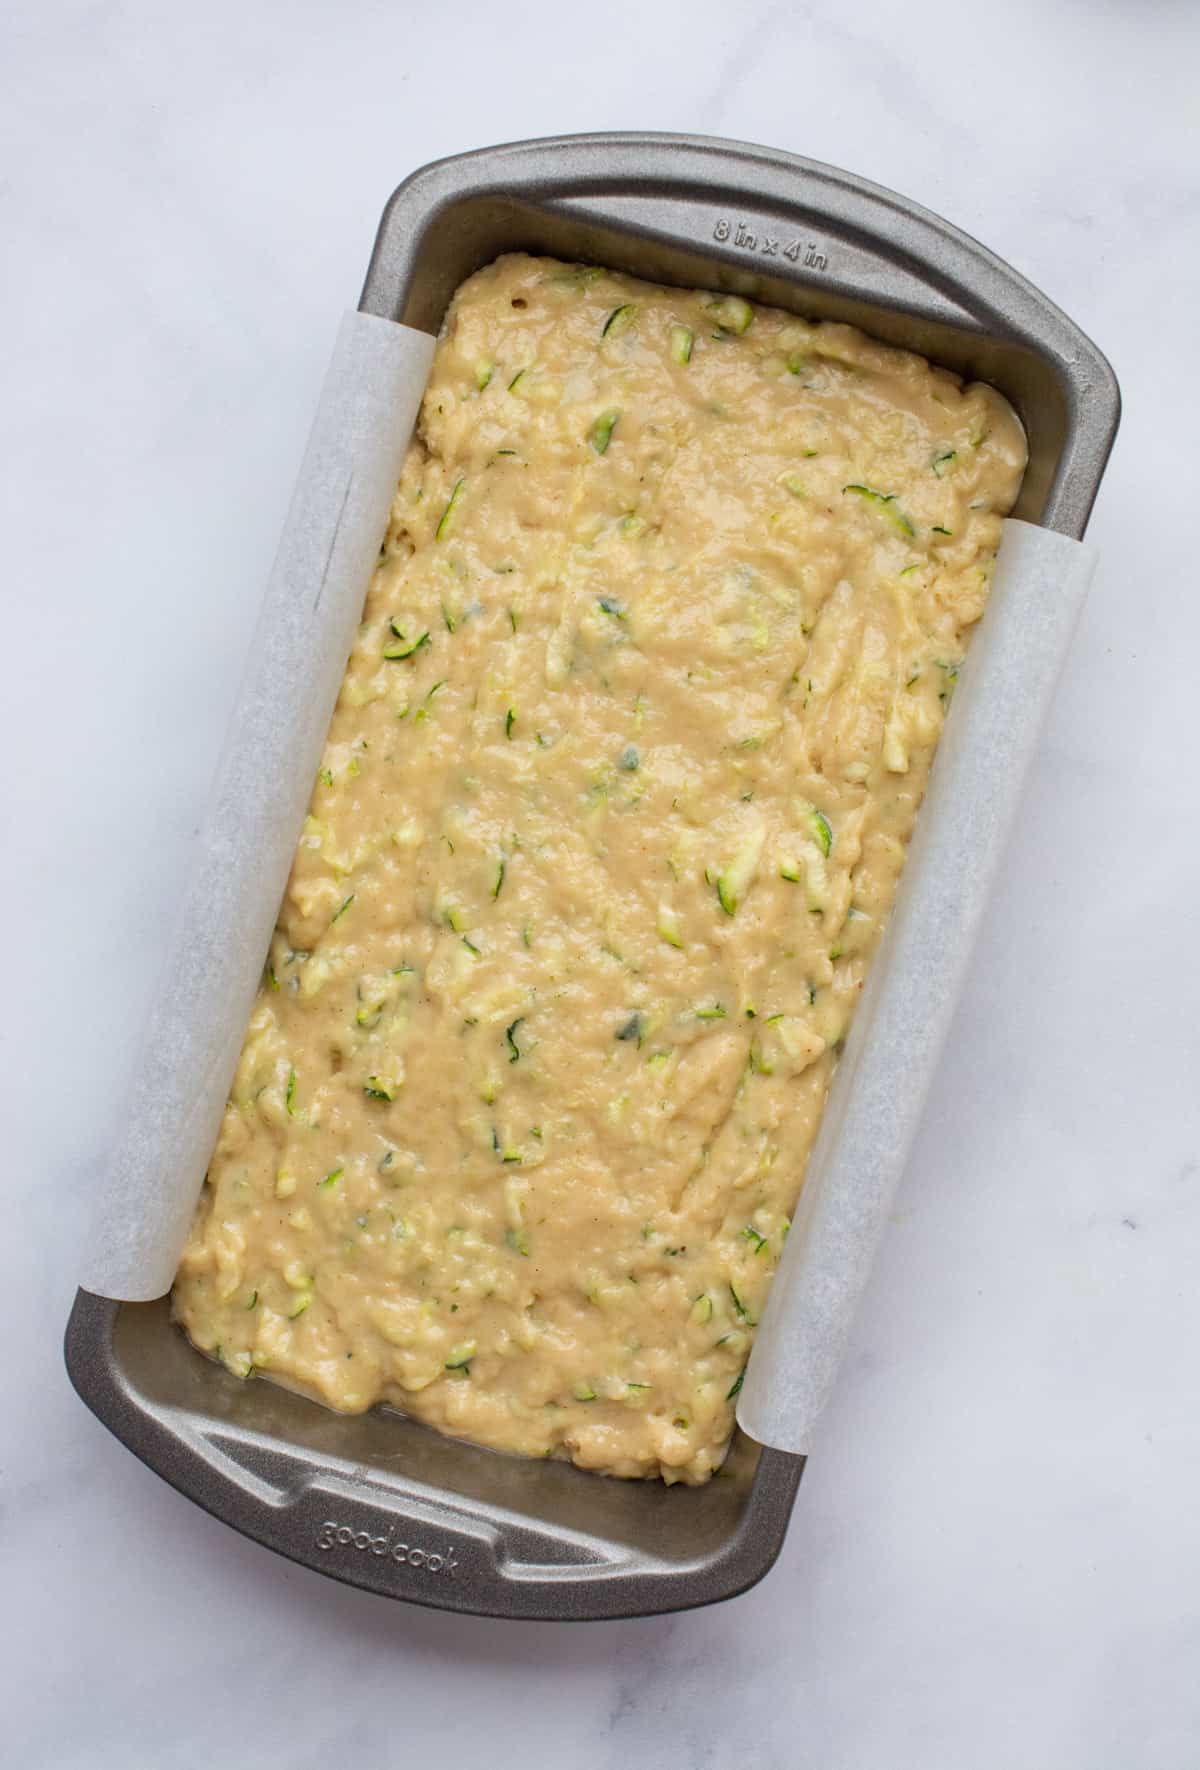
380 1501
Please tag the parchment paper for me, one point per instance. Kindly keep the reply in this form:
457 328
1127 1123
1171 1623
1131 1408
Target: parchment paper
260 795
879 1089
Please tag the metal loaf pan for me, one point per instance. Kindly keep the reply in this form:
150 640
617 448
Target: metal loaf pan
380 1501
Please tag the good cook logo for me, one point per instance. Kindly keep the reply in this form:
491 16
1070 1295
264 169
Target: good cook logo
333 1535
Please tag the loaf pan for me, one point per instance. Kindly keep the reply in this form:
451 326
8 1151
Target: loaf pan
380 1501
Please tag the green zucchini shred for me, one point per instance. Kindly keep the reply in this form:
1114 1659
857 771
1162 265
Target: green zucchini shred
443 527
407 648
600 435
756 1063
739 1305
732 313
734 880
883 502
669 927
619 320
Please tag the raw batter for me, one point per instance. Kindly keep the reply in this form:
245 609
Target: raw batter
611 814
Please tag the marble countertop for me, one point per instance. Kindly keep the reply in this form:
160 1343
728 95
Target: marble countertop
995 1558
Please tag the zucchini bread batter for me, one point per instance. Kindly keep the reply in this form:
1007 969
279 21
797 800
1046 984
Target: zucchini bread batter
610 817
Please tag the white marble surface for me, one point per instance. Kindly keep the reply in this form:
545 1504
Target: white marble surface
995 1560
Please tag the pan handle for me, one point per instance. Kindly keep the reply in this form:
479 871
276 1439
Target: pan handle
705 213
389 1533
763 213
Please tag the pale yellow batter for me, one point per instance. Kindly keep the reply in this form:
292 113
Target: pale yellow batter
610 817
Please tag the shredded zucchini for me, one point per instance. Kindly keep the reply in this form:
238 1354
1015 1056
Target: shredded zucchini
443 527
619 320
885 503
600 434
406 648
732 313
